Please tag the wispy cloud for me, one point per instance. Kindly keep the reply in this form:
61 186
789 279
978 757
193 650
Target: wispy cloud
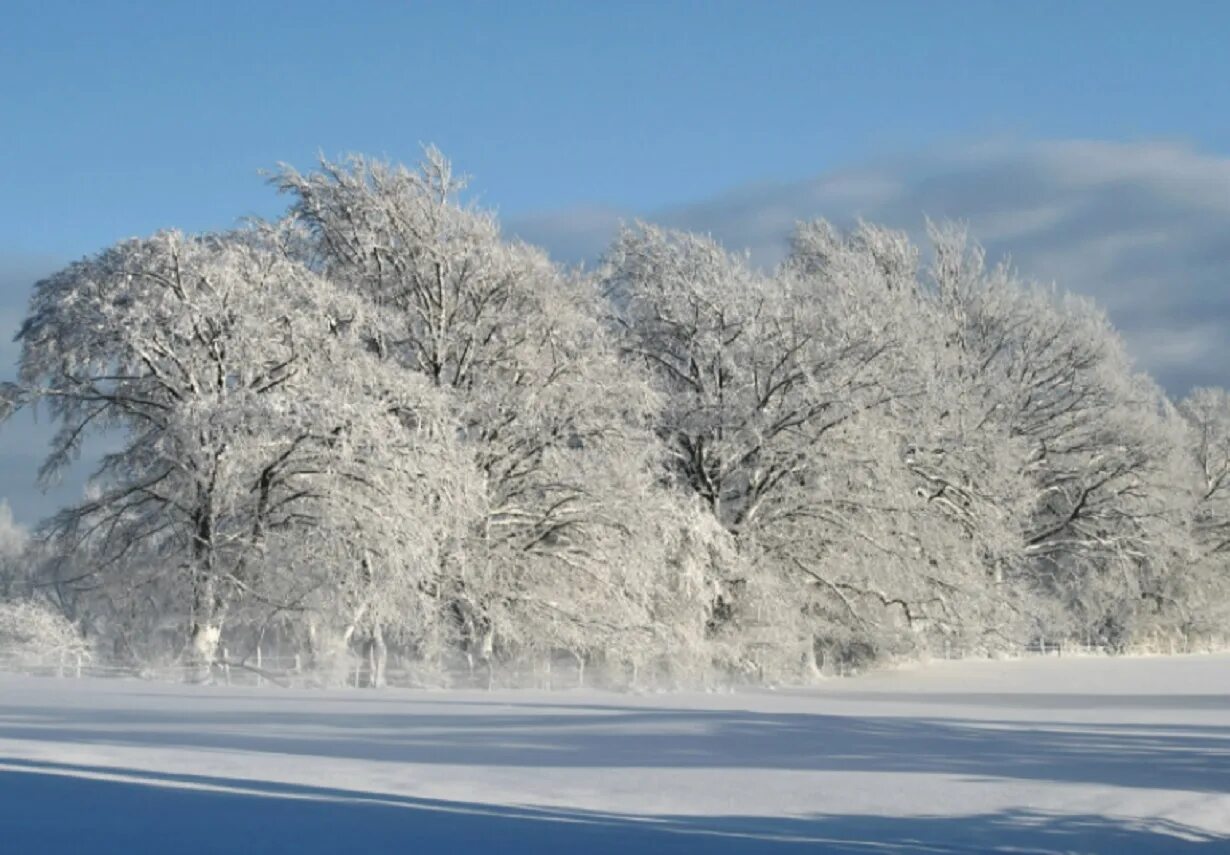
1143 228
23 440
18 272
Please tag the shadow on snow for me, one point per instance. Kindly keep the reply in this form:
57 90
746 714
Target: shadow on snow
1178 757
51 807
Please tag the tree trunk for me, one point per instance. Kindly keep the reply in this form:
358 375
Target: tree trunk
313 644
204 638
811 667
580 669
378 658
205 631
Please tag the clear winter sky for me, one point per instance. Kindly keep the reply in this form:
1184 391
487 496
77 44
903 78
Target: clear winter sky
1089 139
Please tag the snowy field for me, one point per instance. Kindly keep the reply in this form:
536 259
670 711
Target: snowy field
1038 755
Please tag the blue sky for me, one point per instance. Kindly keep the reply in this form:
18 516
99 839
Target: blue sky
124 117
1090 139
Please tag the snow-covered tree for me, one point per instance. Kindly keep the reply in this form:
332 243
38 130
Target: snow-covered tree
246 414
775 389
557 425
928 510
1206 593
1054 378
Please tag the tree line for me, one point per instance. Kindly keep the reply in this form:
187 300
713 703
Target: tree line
378 427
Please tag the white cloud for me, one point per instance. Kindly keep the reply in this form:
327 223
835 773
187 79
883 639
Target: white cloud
1143 228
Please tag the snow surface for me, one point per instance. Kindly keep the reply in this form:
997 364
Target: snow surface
1035 755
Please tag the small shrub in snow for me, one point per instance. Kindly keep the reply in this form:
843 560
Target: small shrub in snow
30 631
